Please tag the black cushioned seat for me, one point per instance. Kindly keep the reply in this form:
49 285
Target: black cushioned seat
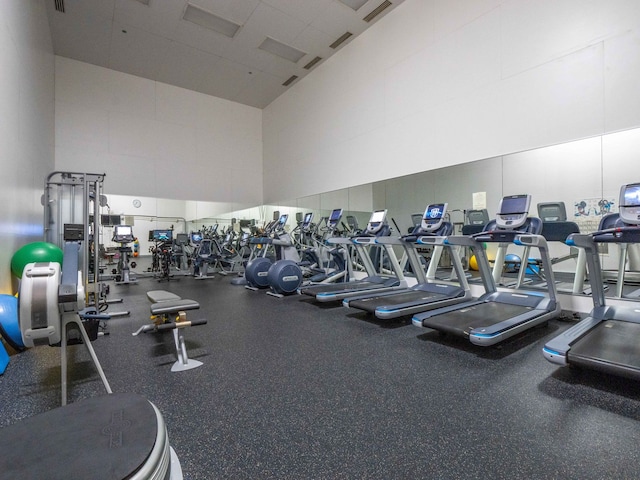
101 438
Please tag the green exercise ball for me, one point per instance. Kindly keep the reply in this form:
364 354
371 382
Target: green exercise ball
34 252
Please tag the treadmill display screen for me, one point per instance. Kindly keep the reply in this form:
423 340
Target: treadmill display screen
632 195
434 212
283 219
516 204
378 216
196 237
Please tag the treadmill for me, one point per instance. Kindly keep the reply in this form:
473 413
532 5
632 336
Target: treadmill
427 294
498 315
607 340
364 244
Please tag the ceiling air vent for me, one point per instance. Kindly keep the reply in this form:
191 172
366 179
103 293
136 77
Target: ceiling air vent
312 63
341 40
377 11
208 20
290 80
59 5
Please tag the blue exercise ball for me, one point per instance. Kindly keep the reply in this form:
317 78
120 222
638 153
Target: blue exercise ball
512 263
9 322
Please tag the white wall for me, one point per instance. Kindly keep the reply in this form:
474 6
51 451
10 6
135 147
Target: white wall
156 140
26 125
441 83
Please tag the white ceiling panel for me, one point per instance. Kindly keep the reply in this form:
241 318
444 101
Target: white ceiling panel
71 38
100 8
161 46
160 17
136 51
261 90
237 11
229 79
316 41
271 22
306 12
203 38
186 67
339 18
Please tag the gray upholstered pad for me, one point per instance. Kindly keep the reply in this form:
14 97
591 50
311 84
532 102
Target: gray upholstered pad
156 296
106 437
174 306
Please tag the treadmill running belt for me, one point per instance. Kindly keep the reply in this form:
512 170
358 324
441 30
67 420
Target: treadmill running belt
314 290
370 304
609 347
461 322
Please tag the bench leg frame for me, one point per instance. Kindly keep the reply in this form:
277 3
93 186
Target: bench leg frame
184 362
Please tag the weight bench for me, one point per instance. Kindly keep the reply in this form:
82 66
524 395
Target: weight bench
169 312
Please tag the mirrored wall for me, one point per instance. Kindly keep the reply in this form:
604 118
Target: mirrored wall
586 175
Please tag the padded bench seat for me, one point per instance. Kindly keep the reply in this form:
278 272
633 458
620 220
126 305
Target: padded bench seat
173 306
156 296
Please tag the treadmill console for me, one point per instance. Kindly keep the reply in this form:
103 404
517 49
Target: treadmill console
123 234
376 222
513 211
433 217
630 203
552 212
334 218
477 217
416 220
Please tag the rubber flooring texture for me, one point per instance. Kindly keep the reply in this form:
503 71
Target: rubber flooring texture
291 389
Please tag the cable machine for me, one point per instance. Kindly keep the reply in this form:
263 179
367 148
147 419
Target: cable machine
75 198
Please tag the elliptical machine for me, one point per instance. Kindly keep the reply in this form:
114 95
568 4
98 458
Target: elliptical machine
283 276
123 234
327 264
203 256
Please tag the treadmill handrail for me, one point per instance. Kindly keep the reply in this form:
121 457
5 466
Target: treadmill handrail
615 232
541 244
481 257
588 243
389 240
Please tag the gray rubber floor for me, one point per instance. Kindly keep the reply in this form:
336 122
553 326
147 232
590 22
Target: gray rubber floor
296 390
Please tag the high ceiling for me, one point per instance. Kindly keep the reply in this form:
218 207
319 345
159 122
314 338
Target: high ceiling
178 41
